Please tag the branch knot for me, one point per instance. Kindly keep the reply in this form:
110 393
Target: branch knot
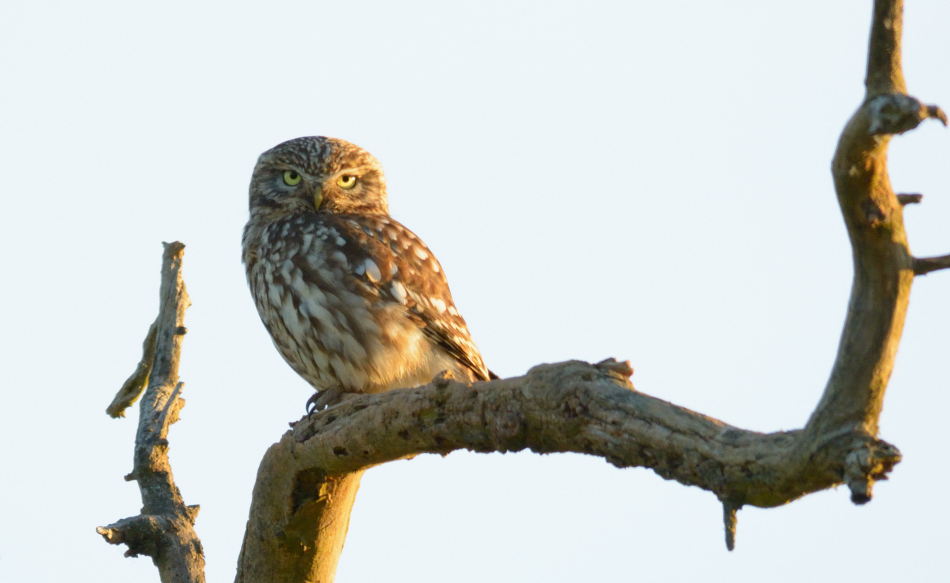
870 462
896 113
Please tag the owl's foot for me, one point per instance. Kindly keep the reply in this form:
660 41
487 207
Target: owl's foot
323 399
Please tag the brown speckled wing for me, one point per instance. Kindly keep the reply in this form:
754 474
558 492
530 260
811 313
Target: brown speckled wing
390 263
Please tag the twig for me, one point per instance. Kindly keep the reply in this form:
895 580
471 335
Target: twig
730 521
135 384
164 530
908 198
924 265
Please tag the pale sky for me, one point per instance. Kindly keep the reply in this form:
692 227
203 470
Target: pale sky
643 180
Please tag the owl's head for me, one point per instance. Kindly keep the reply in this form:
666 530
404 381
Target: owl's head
317 174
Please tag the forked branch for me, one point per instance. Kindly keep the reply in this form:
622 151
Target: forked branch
164 530
593 409
307 482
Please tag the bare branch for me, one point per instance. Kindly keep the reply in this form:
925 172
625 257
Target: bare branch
883 265
924 265
164 530
567 407
885 74
135 384
577 407
730 520
308 481
906 198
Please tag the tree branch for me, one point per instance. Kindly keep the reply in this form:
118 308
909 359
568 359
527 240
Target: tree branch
164 530
593 409
924 265
885 74
307 482
567 407
907 198
134 385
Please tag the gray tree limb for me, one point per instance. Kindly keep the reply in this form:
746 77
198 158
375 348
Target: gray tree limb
164 529
307 482
593 409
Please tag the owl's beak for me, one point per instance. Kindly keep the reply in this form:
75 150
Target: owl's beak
317 197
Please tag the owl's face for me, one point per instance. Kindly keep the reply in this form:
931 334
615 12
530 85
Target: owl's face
317 174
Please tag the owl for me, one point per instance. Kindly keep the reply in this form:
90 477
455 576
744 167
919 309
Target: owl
353 300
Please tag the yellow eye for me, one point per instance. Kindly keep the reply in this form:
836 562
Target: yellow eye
346 182
291 178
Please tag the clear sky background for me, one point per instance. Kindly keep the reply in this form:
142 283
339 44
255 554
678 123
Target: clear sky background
643 180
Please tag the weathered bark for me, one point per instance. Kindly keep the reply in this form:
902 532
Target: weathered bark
593 409
164 530
307 482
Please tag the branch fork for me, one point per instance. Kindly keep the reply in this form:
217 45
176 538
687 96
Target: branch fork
307 482
164 530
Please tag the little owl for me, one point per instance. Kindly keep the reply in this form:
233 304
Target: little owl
353 300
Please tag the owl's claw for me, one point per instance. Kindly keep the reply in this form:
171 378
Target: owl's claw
323 399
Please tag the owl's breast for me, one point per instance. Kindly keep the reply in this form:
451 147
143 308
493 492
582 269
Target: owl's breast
303 289
324 294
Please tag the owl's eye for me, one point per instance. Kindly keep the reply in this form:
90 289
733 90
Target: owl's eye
346 181
292 178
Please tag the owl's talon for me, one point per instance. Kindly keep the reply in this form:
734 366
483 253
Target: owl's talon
323 399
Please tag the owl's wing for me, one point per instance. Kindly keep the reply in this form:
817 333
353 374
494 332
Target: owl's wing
399 267
459 346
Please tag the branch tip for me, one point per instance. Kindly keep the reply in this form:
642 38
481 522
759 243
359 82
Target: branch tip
612 364
934 112
924 265
133 386
173 248
140 533
867 464
730 520
909 198
110 534
192 512
884 72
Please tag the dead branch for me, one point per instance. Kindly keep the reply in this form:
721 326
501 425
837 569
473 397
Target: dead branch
164 530
134 385
908 198
307 482
593 409
924 265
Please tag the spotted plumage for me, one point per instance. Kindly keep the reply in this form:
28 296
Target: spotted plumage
353 300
